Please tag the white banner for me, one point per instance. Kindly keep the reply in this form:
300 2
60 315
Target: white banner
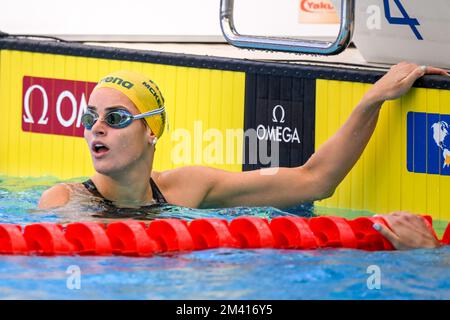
164 20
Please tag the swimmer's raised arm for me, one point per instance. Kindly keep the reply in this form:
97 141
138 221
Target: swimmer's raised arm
337 156
322 173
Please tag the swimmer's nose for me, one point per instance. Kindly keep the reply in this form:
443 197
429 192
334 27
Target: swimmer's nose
99 128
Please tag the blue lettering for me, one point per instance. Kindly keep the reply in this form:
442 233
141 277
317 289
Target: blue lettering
405 20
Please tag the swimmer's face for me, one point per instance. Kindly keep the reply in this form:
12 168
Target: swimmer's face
113 151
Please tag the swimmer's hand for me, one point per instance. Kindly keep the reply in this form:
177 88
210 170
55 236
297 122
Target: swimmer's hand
399 80
407 231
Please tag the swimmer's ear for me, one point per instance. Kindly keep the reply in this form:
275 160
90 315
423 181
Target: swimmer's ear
150 136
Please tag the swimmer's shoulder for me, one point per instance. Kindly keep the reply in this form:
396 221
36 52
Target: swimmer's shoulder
179 176
173 175
57 196
185 186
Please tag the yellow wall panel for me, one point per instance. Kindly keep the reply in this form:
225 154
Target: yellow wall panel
432 101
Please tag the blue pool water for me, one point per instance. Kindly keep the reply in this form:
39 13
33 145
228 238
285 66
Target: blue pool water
218 273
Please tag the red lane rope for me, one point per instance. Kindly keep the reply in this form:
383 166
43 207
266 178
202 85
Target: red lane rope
134 238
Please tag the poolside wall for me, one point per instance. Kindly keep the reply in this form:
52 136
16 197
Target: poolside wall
213 99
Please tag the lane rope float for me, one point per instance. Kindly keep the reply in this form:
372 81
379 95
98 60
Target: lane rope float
138 239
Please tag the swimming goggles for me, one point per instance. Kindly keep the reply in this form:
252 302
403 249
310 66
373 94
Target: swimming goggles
116 119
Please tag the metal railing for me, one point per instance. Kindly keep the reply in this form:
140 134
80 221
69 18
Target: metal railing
289 44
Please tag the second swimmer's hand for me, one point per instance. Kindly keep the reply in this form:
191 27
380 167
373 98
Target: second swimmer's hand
407 231
399 80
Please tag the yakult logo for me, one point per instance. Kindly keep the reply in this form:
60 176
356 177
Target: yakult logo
54 106
278 133
316 6
317 11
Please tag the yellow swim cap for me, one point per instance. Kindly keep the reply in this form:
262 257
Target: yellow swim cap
142 91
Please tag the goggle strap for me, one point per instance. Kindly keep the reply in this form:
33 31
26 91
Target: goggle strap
149 113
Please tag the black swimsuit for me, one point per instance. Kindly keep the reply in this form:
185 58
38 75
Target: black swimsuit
157 194
108 206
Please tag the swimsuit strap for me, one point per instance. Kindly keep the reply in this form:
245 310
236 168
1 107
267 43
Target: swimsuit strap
157 194
90 186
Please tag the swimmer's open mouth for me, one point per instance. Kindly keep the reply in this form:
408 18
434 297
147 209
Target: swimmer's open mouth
99 148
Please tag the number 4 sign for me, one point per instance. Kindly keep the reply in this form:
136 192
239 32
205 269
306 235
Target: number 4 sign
405 20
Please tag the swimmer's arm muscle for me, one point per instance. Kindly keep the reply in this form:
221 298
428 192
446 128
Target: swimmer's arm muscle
315 180
281 188
56 196
322 173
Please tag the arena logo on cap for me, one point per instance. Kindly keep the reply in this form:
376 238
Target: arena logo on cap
118 81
